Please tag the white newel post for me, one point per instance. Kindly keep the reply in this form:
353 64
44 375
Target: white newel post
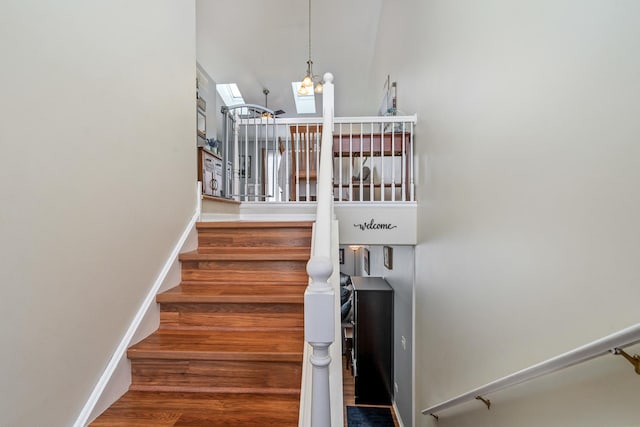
236 155
319 297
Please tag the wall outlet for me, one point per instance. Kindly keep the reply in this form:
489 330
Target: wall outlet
403 340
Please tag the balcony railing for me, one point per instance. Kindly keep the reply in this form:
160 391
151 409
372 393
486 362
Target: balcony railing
277 159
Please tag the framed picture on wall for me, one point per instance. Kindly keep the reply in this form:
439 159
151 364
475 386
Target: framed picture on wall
388 257
365 261
341 255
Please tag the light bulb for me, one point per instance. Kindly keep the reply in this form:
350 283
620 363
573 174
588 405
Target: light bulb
318 88
306 82
302 90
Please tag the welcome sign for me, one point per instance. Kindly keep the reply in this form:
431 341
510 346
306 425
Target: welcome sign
377 225
371 225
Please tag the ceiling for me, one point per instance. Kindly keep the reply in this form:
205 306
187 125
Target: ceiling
264 44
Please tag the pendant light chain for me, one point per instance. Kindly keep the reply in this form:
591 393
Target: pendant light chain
309 80
309 30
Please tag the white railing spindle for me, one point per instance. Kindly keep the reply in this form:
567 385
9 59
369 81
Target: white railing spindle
236 157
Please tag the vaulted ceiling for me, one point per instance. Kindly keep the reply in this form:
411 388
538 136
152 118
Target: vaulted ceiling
264 44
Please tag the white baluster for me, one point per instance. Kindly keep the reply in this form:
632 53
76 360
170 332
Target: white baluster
236 156
319 332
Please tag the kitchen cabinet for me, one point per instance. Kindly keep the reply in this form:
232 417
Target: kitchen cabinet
210 172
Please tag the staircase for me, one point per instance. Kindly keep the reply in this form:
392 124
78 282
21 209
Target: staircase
229 348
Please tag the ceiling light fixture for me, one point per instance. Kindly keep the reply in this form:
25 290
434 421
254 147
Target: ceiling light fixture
265 114
268 113
310 83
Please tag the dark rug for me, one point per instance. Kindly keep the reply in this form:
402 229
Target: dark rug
363 416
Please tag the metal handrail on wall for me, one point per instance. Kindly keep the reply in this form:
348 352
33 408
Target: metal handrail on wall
613 344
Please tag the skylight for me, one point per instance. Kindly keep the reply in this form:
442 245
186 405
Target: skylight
230 94
305 104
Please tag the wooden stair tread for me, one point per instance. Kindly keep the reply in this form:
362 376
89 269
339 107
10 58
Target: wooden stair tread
233 293
173 409
250 254
283 345
209 225
254 250
214 389
259 281
221 199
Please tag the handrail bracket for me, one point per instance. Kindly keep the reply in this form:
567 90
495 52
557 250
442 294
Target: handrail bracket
485 401
634 360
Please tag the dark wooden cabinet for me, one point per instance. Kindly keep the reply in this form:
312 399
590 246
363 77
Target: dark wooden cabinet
373 340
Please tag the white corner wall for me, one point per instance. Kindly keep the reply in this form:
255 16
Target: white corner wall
97 171
528 200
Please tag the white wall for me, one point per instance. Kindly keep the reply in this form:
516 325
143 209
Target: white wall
96 185
207 91
401 279
528 198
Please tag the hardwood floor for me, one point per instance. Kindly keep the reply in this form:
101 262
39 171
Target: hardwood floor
229 348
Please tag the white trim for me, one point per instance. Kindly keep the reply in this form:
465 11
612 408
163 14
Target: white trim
120 351
397 412
199 200
278 211
378 204
377 119
212 217
318 119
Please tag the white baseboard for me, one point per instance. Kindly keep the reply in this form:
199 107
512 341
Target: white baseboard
277 211
212 217
142 322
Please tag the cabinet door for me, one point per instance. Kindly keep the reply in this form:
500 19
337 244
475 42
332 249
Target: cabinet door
211 174
373 347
